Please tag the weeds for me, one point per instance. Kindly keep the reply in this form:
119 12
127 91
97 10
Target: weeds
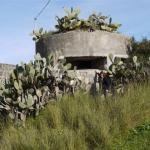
84 123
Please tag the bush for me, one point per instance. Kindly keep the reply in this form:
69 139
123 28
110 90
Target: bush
141 48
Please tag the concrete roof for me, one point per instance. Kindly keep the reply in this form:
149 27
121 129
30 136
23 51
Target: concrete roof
84 43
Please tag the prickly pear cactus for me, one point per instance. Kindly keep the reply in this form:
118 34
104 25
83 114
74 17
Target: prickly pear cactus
31 86
95 22
123 73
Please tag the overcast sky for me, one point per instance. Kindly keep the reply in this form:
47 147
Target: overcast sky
16 21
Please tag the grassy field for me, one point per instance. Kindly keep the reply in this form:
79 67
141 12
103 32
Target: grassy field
85 123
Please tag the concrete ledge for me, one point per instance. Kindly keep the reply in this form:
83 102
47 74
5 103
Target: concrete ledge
84 43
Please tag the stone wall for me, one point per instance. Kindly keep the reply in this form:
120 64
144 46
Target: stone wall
5 70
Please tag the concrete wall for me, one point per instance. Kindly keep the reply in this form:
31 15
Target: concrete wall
88 78
5 70
84 43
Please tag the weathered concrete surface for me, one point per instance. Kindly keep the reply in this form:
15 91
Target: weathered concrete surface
84 43
88 78
5 70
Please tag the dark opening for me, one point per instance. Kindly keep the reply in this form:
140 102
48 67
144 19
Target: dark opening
122 59
87 62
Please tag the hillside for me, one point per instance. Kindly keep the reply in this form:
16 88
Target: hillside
85 123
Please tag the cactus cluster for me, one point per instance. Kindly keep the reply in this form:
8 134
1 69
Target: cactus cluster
116 78
71 21
32 85
38 34
125 72
95 22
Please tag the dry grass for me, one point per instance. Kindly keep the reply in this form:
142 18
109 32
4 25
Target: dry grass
81 123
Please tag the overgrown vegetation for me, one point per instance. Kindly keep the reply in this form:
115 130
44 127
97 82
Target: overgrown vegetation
141 48
120 74
72 22
39 34
32 85
77 121
95 22
82 122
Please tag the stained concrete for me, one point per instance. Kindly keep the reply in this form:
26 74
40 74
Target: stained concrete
84 43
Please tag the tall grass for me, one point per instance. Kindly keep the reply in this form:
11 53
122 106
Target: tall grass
81 123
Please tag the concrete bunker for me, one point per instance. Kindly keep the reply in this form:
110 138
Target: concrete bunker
88 51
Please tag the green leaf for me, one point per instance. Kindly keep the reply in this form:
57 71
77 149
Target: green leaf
2 86
111 57
20 85
32 72
22 105
37 57
30 100
16 85
135 59
38 93
117 60
67 67
23 117
44 61
31 90
13 75
12 116
8 100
